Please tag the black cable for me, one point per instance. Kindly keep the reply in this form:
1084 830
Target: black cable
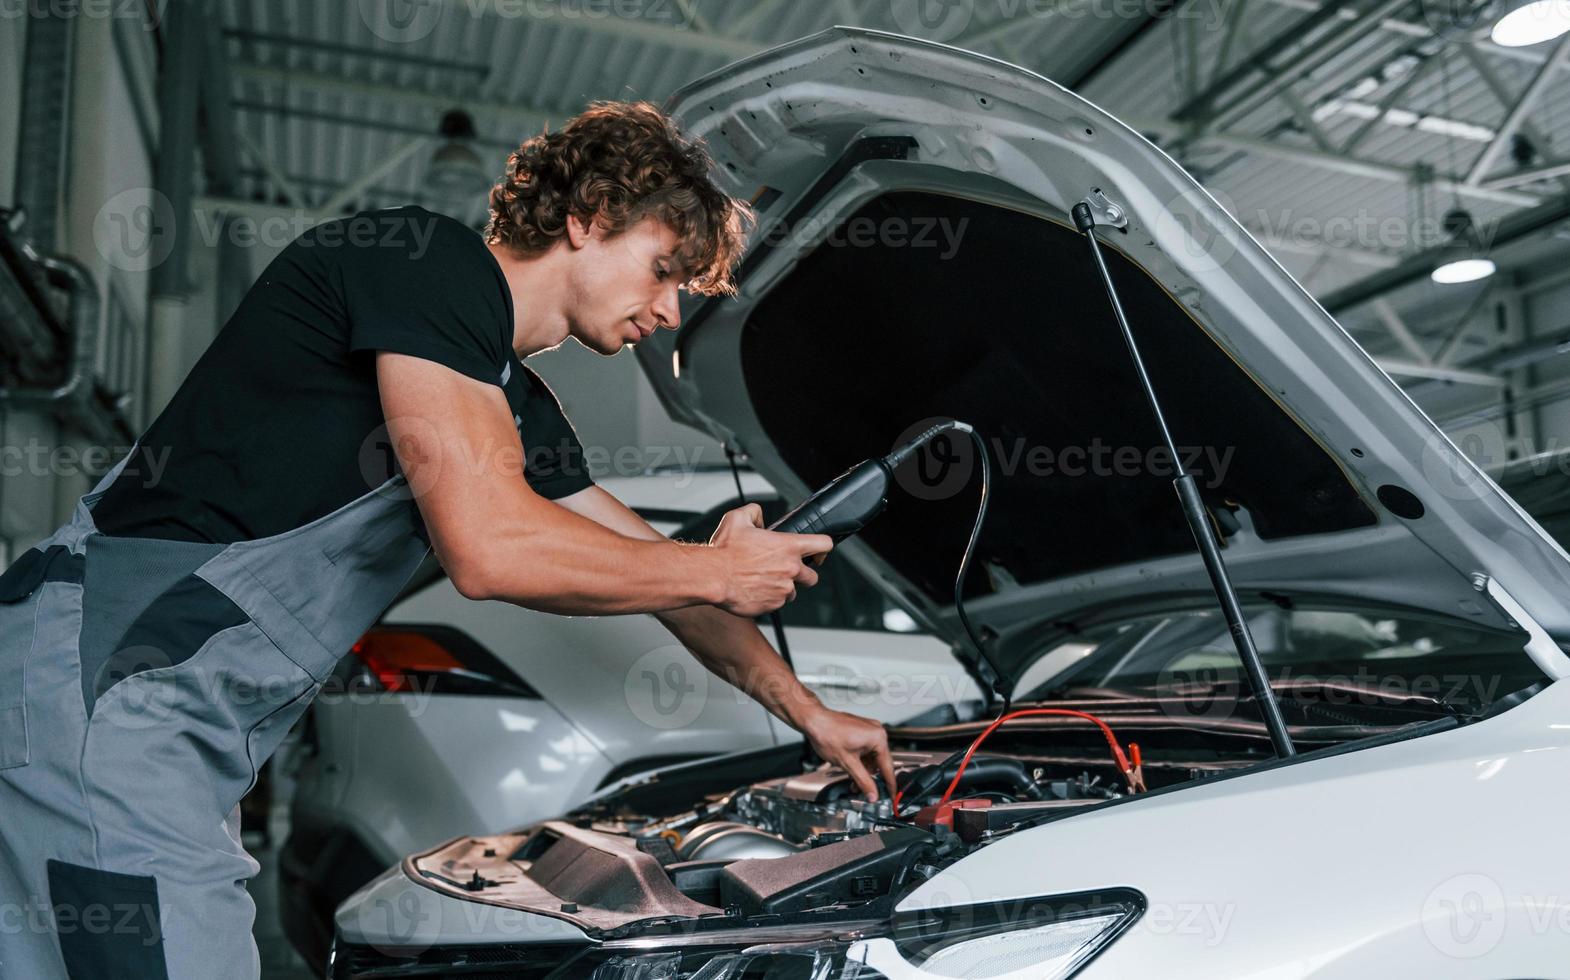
774 617
1001 686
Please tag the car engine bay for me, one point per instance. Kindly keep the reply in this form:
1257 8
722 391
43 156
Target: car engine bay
802 845
782 847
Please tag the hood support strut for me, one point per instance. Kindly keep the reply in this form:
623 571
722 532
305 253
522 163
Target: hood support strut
1194 510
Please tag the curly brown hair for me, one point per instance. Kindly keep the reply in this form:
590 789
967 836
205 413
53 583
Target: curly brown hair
620 162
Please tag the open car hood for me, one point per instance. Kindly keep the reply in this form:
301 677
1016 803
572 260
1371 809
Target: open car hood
914 259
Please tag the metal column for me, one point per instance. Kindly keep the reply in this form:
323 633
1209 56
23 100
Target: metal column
41 162
174 178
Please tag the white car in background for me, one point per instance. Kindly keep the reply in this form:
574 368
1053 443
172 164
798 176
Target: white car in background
453 715
1411 618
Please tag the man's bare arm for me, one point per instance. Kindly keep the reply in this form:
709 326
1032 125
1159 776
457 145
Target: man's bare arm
497 539
732 647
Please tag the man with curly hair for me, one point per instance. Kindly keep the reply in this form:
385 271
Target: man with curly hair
366 403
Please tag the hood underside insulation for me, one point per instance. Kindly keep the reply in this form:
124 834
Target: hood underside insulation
1001 322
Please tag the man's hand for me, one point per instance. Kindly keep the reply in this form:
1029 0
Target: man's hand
731 646
765 566
857 745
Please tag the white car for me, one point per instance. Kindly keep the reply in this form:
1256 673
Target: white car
1410 618
453 716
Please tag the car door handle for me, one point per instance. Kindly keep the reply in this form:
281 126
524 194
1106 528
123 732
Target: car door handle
843 682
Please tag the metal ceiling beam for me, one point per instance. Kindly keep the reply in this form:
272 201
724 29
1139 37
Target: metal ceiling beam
1451 346
261 211
1512 228
1335 162
1398 329
527 116
1306 120
695 19
352 192
612 24
1501 359
1278 80
756 12
1517 115
1496 85
1435 373
1234 17
1288 56
280 180
356 51
1548 171
1421 31
1078 74
1277 243
1395 95
358 122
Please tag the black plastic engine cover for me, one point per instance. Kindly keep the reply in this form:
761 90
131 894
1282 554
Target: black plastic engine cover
855 870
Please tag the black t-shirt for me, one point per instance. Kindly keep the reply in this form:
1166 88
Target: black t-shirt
280 421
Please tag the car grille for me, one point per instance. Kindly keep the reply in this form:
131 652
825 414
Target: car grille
498 961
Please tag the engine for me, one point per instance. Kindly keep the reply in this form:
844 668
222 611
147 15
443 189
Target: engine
793 845
809 840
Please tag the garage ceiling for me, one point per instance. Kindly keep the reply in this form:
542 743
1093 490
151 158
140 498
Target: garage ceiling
1338 132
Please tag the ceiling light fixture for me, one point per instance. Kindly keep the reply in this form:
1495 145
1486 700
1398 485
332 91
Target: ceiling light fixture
456 169
1532 22
1462 259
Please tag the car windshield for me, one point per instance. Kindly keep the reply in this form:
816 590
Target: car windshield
1399 653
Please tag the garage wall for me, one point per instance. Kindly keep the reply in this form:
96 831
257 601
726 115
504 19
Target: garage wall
621 423
109 176
13 32
1521 310
1547 311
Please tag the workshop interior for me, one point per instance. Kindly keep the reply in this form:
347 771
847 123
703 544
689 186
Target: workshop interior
1184 386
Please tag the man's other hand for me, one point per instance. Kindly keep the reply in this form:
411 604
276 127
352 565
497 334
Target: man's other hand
857 745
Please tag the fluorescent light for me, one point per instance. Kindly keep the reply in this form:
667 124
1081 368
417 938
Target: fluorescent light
1406 118
1533 23
1464 270
1452 127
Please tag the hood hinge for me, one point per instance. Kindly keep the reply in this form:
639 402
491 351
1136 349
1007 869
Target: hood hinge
1540 646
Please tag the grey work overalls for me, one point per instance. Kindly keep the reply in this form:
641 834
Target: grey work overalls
142 683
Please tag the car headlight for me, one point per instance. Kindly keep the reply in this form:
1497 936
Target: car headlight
1040 939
